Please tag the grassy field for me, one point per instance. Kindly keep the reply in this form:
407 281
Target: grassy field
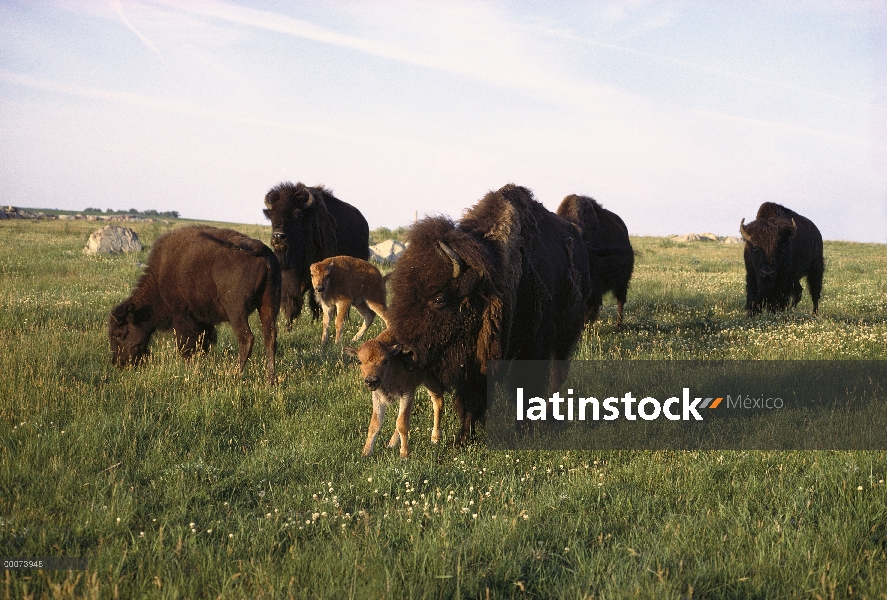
183 480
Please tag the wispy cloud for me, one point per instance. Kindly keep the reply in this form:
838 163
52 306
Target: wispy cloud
188 108
747 122
489 50
702 68
118 8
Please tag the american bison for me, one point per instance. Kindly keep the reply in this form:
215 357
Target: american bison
342 281
393 379
196 278
781 246
610 255
510 280
309 224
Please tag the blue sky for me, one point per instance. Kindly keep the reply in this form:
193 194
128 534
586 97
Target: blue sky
679 116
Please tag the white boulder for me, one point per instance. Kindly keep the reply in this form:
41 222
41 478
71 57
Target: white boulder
113 239
386 252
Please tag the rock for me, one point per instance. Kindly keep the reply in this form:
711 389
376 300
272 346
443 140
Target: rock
708 237
690 237
387 252
733 240
112 239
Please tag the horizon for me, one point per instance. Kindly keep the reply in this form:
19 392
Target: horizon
392 229
679 117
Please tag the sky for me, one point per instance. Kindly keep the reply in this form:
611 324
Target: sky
679 116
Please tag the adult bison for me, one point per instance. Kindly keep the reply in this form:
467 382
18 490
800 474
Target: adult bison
510 280
196 278
309 224
781 246
610 255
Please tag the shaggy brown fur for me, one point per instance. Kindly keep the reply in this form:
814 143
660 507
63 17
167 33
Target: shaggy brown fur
610 255
509 281
781 247
196 278
394 379
342 281
309 224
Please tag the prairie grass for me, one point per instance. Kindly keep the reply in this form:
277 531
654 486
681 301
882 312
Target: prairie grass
184 480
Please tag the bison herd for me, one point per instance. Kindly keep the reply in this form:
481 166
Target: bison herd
509 281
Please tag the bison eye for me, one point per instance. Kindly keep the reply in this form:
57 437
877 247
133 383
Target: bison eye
439 301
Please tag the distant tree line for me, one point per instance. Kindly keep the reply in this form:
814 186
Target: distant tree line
383 233
171 214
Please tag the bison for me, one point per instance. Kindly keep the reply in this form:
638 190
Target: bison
342 281
610 255
196 278
510 280
393 378
781 247
309 224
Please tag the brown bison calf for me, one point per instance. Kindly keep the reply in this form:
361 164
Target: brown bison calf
388 374
196 278
342 281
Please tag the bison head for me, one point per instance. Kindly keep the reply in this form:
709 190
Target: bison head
374 357
768 254
320 276
129 331
286 206
445 310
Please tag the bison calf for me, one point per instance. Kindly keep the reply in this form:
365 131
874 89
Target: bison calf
344 281
196 278
388 374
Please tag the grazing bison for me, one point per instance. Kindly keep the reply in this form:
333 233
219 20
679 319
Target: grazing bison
610 255
309 224
393 379
781 246
197 277
510 280
342 281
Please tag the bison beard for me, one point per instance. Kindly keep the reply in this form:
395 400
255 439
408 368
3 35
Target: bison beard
781 247
309 224
196 278
509 281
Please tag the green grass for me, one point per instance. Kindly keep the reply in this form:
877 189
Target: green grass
116 465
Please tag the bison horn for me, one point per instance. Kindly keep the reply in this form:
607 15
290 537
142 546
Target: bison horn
310 202
794 225
458 263
744 231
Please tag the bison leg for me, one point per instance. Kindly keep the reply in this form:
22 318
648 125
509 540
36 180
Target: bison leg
560 369
621 296
379 309
368 317
403 425
342 308
814 281
245 338
752 302
437 404
189 334
375 425
327 315
268 317
796 293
